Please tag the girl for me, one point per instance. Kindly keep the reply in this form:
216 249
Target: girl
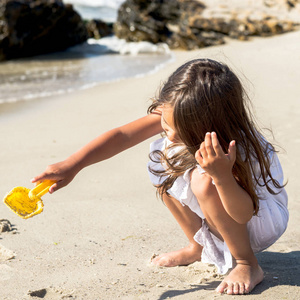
216 173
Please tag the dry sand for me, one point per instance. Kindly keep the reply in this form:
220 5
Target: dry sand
95 237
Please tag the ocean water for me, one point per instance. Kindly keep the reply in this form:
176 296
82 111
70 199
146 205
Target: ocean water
105 10
82 66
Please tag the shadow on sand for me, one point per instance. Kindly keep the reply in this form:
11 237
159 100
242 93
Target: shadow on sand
279 268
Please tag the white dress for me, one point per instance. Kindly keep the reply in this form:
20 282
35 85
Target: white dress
264 229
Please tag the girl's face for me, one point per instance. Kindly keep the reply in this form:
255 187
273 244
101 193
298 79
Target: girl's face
167 124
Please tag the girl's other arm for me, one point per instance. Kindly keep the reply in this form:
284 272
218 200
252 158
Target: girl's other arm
236 201
103 147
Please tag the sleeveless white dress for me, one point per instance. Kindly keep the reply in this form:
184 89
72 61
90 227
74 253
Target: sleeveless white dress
264 229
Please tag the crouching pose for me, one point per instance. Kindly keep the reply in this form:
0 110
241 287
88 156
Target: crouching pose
214 170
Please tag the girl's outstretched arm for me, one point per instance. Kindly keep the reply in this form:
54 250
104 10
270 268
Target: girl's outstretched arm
218 165
103 147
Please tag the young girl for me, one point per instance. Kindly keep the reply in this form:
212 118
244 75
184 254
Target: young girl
216 173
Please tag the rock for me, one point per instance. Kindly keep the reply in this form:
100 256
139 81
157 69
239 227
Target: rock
167 21
35 27
288 3
146 20
191 24
38 293
98 29
5 225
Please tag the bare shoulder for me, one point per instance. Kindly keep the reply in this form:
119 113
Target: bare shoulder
201 183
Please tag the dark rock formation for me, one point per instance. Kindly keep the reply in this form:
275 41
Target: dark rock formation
32 27
189 24
98 29
164 21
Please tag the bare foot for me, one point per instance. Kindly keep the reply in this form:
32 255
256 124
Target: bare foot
241 280
182 257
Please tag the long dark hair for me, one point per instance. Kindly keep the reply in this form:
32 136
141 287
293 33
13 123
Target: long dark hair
207 96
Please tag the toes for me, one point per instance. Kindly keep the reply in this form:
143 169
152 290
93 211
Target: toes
162 261
235 288
222 287
247 289
239 288
155 259
230 289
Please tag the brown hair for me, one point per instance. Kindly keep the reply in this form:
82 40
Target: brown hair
207 96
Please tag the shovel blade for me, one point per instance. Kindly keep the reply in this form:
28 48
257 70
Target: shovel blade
20 203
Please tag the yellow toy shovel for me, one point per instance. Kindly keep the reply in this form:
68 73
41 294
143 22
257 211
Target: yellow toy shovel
27 203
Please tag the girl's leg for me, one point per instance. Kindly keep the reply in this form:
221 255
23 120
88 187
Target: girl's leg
190 223
247 273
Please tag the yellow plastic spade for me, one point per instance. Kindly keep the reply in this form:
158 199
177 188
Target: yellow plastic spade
27 203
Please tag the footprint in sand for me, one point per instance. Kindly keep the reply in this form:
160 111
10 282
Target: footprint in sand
6 254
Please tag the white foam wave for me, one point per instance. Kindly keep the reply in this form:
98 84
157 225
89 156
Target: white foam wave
97 3
86 66
121 46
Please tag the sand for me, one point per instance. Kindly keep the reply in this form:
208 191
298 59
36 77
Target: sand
95 238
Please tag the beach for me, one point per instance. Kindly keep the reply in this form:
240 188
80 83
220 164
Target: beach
96 236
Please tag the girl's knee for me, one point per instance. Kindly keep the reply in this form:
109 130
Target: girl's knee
202 187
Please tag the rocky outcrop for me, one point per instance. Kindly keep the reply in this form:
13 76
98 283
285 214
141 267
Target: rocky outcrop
98 29
193 24
38 26
32 27
165 21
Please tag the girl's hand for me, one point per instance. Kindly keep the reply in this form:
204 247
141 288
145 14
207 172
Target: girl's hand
62 172
212 158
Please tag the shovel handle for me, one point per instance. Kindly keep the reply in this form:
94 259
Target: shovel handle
41 189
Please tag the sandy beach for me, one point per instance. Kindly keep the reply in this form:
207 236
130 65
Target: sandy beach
95 238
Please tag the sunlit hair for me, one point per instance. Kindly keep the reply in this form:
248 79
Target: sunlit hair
207 96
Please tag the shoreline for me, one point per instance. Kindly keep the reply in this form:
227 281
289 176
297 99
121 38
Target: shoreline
95 237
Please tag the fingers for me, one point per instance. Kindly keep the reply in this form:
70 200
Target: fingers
211 152
208 144
232 151
198 157
57 185
212 147
62 173
39 178
216 145
54 187
42 177
48 175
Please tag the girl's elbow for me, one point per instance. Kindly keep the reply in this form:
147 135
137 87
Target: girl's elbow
244 218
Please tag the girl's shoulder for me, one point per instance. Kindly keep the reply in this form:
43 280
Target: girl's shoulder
159 144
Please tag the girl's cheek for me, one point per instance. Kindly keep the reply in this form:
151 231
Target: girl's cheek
173 137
